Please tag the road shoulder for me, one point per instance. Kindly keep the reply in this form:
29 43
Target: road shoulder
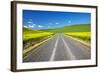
81 41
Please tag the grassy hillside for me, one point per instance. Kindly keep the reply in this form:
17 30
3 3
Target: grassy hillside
33 34
72 28
29 30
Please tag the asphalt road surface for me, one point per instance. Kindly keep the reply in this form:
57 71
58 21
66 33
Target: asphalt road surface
59 48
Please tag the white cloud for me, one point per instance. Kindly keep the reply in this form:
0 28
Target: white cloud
69 21
57 23
25 26
29 22
40 26
34 24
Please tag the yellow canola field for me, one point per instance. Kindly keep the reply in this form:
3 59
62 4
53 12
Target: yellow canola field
36 35
86 36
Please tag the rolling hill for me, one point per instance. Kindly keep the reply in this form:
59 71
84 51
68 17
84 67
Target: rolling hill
29 30
72 28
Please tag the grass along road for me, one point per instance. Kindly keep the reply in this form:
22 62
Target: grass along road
84 36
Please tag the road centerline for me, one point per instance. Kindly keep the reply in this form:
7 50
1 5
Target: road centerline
54 49
72 57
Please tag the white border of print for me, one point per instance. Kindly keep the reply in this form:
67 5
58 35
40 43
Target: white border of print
35 65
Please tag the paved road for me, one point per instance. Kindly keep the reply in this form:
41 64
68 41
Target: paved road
59 48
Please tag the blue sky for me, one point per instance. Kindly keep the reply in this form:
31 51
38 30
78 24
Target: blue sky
52 19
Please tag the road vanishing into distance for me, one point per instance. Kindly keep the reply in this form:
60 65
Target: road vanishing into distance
59 48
